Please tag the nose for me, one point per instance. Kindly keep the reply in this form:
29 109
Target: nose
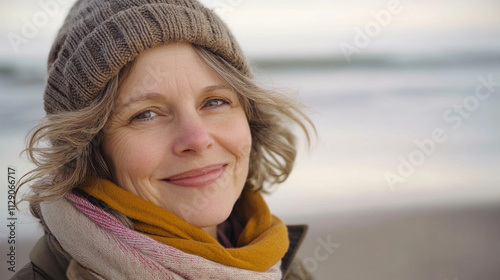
192 136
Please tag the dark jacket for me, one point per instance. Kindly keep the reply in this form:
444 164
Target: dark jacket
50 261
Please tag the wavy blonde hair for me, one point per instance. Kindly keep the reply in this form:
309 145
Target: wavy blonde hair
66 146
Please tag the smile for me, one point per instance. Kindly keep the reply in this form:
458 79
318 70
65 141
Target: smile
198 177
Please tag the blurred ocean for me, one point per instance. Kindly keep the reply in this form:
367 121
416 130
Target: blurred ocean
410 80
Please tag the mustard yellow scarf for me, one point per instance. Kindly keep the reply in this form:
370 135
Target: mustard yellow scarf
262 243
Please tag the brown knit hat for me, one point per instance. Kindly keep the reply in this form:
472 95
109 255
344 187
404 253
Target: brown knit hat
99 37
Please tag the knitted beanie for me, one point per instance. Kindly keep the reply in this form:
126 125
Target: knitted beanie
99 37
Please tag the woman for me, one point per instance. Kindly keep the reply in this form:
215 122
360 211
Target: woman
154 151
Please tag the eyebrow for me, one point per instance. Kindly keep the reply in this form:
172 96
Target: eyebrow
214 88
140 98
158 96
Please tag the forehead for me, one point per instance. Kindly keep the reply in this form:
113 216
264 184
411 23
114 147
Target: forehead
171 68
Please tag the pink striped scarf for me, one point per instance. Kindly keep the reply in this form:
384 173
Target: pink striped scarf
109 250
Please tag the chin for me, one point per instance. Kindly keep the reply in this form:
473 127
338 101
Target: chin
211 215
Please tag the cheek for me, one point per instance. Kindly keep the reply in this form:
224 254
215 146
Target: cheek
240 139
130 155
246 143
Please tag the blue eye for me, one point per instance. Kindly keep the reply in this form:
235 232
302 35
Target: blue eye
144 116
216 102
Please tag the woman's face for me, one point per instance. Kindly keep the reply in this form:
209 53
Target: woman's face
178 136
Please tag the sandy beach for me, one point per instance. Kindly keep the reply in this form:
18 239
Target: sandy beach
459 242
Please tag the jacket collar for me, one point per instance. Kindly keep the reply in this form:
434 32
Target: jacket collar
296 234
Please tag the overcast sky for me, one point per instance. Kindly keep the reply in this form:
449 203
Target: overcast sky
307 28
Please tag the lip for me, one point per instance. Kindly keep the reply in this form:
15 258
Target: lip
199 177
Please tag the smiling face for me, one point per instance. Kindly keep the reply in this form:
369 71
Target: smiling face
178 136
